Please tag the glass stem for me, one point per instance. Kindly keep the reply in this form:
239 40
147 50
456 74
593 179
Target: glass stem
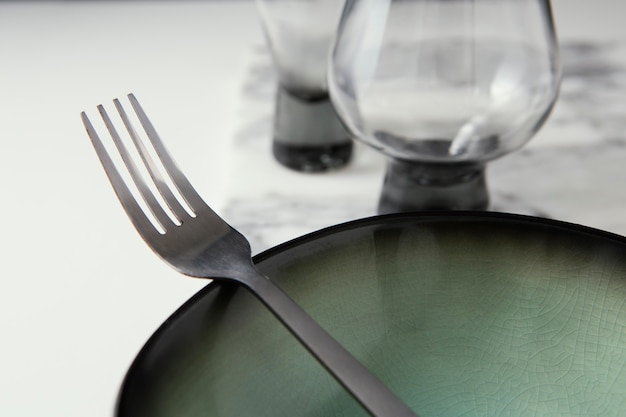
414 186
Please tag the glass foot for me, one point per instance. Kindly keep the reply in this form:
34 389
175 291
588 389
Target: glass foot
308 135
415 186
313 158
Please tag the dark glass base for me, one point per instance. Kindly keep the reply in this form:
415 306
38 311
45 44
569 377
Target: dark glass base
308 135
414 186
313 158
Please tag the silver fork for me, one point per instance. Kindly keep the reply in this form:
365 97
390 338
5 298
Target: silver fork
195 241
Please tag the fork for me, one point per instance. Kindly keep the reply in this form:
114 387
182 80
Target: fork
189 236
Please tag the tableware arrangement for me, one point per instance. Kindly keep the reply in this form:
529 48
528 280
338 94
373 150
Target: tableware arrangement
190 237
430 313
307 134
474 314
441 88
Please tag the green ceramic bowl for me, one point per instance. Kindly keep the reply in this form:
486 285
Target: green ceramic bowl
460 314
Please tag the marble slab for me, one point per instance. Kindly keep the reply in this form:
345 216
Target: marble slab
572 170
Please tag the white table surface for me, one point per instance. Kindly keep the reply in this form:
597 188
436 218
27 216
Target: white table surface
79 291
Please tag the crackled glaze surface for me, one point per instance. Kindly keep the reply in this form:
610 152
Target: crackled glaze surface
467 315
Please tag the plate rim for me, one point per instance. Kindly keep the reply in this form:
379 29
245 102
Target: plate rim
444 215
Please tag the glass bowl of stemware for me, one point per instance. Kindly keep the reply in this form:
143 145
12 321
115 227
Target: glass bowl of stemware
441 88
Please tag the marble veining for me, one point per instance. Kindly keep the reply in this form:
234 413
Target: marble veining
572 170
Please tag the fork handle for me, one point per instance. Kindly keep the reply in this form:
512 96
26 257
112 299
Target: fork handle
364 386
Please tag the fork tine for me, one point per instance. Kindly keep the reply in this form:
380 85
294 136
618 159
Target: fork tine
159 181
132 208
153 205
180 181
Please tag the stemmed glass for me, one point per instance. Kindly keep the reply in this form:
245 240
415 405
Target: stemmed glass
441 87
